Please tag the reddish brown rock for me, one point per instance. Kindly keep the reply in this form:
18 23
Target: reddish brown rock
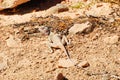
4 4
83 64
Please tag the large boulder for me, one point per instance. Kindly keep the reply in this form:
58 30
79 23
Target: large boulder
4 4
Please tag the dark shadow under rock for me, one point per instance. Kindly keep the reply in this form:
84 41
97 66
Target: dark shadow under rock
31 6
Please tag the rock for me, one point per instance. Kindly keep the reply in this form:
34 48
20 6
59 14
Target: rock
100 9
112 39
56 9
61 7
60 77
76 1
62 63
71 15
4 4
83 27
3 61
83 64
11 42
111 19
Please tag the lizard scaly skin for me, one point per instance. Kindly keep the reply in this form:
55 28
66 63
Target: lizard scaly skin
58 41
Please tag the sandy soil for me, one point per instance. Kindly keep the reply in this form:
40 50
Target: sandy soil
27 57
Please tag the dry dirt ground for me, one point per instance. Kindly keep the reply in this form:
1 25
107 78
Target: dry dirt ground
30 59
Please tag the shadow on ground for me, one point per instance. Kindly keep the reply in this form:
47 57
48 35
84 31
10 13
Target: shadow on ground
33 5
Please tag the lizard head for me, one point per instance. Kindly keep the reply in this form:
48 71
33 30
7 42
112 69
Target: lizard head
44 30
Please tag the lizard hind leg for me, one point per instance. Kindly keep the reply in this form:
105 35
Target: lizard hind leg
50 48
64 50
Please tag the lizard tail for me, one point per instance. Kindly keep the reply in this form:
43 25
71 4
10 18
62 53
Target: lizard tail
66 52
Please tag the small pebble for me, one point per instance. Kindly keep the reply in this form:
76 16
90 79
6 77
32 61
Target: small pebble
61 77
11 42
64 63
83 64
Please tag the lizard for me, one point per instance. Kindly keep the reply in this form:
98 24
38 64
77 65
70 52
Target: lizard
58 41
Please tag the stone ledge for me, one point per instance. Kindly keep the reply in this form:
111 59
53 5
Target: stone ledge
4 4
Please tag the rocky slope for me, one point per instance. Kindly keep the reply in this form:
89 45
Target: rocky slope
93 30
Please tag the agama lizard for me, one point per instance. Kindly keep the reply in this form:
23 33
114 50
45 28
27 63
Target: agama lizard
58 41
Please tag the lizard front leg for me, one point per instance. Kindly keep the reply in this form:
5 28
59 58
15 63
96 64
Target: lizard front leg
65 40
51 46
